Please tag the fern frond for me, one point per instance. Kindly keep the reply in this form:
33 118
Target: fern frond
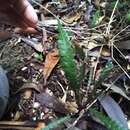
67 60
107 68
95 20
105 72
108 122
55 123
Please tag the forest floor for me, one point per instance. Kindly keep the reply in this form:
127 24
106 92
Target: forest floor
73 73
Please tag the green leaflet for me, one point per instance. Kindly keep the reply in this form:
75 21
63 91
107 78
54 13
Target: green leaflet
107 69
105 72
67 60
55 123
108 122
95 19
128 16
39 56
90 78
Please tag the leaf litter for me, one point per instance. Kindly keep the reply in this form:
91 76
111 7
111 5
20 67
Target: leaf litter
79 54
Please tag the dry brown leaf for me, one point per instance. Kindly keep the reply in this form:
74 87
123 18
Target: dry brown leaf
72 107
105 52
123 44
51 61
28 86
17 115
72 19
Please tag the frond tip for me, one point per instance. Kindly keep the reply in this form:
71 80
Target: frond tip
108 122
55 123
67 60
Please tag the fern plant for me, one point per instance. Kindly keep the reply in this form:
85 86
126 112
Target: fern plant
104 73
55 123
95 20
108 122
68 63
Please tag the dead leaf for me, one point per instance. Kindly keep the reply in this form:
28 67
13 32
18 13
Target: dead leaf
17 115
95 52
113 110
51 61
28 86
118 90
71 19
51 102
72 107
123 44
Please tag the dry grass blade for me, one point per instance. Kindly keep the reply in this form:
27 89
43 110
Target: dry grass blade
111 42
95 67
107 34
111 19
37 3
119 33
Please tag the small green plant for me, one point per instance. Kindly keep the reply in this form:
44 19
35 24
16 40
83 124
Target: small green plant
105 72
123 4
68 62
128 16
39 56
108 122
95 19
55 123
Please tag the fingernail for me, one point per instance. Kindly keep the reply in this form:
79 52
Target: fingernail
31 16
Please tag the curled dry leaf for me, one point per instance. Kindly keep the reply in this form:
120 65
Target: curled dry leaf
72 107
18 115
72 19
28 86
51 61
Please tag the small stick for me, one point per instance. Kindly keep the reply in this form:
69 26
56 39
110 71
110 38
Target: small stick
18 125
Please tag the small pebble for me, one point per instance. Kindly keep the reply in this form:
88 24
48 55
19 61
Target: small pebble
24 68
36 105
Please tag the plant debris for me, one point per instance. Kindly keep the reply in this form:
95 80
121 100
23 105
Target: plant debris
77 59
